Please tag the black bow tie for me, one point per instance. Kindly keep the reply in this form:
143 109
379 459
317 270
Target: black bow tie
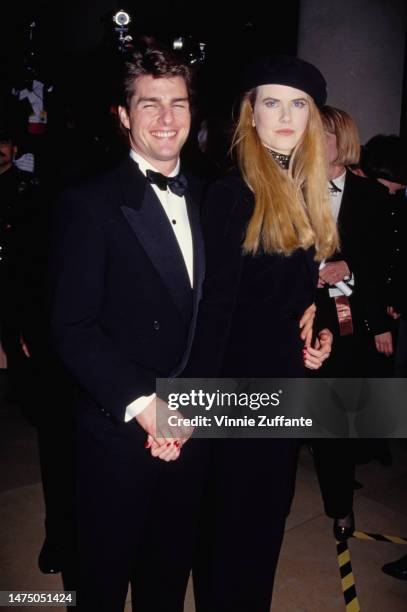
177 184
334 188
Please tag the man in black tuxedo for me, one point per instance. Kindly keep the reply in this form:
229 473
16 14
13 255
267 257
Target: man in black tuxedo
361 327
127 268
356 315
21 264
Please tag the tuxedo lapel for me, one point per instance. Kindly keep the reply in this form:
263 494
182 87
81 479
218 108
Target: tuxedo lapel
150 224
193 199
350 224
346 201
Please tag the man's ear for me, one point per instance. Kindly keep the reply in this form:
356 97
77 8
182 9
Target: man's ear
124 117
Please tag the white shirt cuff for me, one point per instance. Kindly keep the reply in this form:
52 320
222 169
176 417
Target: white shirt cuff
138 406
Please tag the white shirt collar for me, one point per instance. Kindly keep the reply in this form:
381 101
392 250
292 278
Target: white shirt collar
144 165
340 180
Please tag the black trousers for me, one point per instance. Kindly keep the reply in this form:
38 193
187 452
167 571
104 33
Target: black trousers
353 356
56 463
136 518
247 500
335 466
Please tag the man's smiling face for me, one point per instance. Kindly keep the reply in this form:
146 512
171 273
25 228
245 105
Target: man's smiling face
158 120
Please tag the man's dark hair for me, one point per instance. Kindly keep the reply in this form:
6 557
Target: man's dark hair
155 62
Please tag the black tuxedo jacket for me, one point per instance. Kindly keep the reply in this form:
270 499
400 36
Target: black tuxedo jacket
122 308
362 247
395 222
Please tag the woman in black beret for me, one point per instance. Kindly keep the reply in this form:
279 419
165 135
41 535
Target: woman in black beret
267 226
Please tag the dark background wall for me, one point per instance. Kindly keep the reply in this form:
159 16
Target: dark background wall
358 44
78 25
360 47
76 50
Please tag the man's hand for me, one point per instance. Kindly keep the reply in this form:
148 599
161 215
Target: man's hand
315 356
384 343
163 440
333 272
306 323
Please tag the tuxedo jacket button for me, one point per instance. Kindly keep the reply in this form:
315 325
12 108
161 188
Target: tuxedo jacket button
156 325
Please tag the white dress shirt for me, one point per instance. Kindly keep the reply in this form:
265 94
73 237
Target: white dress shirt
176 210
336 196
336 201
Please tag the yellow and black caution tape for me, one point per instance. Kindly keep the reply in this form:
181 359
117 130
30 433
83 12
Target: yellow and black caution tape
345 565
347 579
363 535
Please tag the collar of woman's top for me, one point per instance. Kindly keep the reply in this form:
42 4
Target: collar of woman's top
280 158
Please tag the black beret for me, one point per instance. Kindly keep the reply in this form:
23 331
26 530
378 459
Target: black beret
287 70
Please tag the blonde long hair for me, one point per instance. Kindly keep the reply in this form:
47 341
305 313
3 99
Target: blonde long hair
347 136
291 207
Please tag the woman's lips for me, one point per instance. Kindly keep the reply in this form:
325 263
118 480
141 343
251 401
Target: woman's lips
285 132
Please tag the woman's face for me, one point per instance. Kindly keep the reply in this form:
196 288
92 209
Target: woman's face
280 116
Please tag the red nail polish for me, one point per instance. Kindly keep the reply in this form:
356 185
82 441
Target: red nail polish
168 444
176 443
147 444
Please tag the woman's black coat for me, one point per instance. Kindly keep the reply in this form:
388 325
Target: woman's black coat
248 321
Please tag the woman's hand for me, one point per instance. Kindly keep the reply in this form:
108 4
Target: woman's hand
315 356
306 323
164 441
169 452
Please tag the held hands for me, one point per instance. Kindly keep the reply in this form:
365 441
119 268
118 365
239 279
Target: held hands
170 451
316 355
333 272
163 440
306 323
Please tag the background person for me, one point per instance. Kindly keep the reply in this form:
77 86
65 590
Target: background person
384 159
361 328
